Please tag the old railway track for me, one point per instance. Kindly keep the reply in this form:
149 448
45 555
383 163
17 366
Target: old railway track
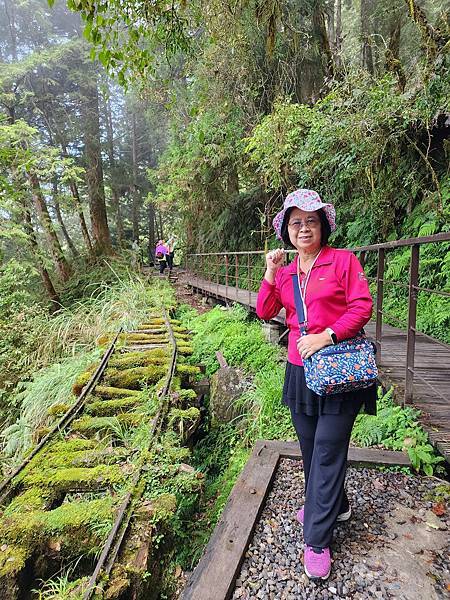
82 502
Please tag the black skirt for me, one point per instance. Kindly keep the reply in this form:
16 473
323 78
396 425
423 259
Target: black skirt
301 400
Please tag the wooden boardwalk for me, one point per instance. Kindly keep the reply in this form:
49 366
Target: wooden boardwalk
432 364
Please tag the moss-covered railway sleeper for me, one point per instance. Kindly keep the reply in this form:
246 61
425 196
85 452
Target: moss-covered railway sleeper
98 491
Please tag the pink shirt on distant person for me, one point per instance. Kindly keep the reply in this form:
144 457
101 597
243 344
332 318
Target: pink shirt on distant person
337 296
161 248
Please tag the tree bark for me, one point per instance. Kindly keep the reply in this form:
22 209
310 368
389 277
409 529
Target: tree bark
392 56
232 181
78 205
115 195
320 33
432 39
135 188
59 259
151 234
338 35
94 168
60 220
55 302
366 46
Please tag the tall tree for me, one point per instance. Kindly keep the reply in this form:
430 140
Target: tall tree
366 33
47 225
94 165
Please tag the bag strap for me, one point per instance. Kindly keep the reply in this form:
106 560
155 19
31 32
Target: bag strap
299 304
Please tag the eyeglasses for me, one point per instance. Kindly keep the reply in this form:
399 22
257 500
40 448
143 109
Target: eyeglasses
310 222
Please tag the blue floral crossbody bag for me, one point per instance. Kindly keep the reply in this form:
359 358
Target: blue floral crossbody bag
347 366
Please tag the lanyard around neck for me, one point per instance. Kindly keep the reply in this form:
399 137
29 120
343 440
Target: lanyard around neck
303 294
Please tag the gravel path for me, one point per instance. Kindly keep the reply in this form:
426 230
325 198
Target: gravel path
393 547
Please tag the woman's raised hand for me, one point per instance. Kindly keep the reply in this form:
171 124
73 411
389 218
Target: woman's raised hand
274 260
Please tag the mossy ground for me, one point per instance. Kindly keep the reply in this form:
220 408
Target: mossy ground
86 463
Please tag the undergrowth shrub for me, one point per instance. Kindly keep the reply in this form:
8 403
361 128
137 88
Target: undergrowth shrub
397 428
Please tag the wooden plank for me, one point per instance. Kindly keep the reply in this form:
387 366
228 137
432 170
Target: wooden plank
372 456
214 576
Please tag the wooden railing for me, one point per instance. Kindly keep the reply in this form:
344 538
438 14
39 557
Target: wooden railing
245 270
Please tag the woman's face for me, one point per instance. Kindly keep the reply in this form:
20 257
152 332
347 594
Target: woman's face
305 229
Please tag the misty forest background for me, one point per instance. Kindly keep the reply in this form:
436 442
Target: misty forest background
129 121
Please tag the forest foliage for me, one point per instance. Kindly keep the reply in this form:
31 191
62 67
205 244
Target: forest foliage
122 122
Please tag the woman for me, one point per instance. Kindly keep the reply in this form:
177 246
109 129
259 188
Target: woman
161 252
338 302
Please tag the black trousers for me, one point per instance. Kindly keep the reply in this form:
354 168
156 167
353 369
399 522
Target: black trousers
324 442
169 258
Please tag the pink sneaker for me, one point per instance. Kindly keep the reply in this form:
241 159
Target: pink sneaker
345 516
317 564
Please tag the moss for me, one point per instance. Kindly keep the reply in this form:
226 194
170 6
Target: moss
187 370
104 339
183 337
73 445
109 408
115 392
85 478
163 507
185 349
136 359
12 560
58 410
151 339
179 329
441 493
136 377
151 322
143 337
187 395
81 381
151 329
30 500
80 517
93 424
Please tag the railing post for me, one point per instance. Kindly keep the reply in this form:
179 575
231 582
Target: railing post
379 307
236 272
217 275
412 313
362 259
226 275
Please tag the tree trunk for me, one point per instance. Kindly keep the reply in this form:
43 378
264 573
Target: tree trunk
432 39
320 33
135 188
366 46
94 169
115 196
232 181
392 56
78 205
338 34
79 208
60 261
55 302
151 234
60 220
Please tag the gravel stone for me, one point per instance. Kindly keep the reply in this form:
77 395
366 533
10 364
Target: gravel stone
273 565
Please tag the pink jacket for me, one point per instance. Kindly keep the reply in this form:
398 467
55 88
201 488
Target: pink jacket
337 296
162 249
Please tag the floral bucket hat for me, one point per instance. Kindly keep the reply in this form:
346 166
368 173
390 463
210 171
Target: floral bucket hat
308 200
